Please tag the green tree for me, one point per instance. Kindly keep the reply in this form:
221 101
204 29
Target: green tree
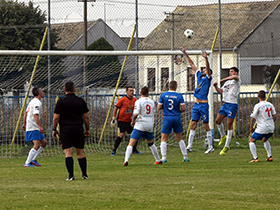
103 71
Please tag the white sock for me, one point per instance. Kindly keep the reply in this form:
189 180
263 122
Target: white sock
267 148
128 153
38 153
229 135
30 156
191 137
209 139
155 152
221 129
163 150
183 148
253 149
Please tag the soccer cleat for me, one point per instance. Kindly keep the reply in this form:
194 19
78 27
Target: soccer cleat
224 151
254 160
157 163
85 177
186 160
189 149
125 164
209 150
164 160
222 140
29 165
113 153
35 163
270 159
70 179
136 152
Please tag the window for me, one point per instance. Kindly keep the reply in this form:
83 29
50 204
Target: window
225 73
190 79
164 79
151 79
257 74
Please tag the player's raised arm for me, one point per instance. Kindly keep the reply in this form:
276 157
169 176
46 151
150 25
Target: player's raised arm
208 70
189 60
219 90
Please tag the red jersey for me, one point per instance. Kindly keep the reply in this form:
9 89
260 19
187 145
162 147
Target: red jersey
126 107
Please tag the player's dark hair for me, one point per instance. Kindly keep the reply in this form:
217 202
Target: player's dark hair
69 86
128 87
36 91
144 91
173 85
261 94
235 69
211 71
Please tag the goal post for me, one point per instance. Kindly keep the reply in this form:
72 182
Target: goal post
102 76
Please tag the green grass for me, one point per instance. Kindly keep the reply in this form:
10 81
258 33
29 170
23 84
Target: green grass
207 182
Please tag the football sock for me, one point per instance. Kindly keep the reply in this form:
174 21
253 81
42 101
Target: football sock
30 156
135 147
191 137
128 153
83 165
117 143
253 149
183 148
267 148
155 152
69 162
38 153
221 129
209 138
163 150
229 135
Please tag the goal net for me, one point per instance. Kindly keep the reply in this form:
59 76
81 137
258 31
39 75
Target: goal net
95 75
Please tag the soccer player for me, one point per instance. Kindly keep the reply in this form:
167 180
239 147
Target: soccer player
34 130
230 91
172 104
265 115
143 122
71 112
201 106
125 106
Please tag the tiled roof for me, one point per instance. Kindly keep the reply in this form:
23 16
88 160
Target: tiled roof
238 21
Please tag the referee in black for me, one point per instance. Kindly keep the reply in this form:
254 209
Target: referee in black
71 112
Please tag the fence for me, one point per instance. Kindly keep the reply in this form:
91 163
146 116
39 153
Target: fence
98 106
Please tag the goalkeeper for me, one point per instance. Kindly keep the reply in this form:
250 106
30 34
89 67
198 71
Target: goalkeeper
125 106
201 106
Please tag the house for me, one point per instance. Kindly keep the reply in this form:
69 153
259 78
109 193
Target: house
250 41
72 38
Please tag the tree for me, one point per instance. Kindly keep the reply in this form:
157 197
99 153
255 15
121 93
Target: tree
22 26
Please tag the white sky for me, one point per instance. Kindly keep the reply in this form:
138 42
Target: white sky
120 14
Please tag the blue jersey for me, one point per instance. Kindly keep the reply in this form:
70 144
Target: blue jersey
171 102
203 86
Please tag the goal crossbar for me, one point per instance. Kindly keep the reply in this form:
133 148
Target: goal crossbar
95 53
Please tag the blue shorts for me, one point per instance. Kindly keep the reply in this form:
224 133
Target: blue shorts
171 122
200 110
137 134
260 136
34 135
229 110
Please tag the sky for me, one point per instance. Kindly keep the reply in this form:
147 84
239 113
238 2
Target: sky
120 14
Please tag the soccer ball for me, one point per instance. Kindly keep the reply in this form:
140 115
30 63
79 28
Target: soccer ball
189 33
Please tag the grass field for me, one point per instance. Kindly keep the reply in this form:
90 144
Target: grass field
207 182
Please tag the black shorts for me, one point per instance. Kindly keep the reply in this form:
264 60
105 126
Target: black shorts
125 127
72 137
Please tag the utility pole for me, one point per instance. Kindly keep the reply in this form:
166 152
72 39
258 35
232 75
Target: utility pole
172 23
85 40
